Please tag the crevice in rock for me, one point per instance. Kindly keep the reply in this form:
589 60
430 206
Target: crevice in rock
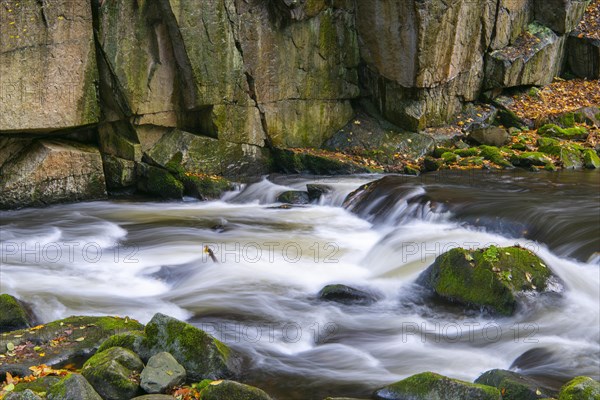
250 81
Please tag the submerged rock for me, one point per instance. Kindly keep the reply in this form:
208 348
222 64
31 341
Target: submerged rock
488 278
514 386
162 373
231 390
73 386
428 385
316 191
580 388
294 197
114 373
14 315
202 356
347 295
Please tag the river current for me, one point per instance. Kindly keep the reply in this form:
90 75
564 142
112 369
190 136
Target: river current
136 258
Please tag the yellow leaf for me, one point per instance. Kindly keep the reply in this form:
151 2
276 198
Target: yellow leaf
214 383
42 354
80 339
9 388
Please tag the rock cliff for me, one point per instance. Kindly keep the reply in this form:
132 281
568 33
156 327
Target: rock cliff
222 82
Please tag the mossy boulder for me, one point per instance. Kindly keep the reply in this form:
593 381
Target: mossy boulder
580 388
114 373
162 183
13 314
24 395
200 354
294 197
549 145
449 157
489 278
432 164
570 156
204 187
514 386
73 386
162 373
428 385
62 342
591 159
494 155
125 340
40 385
347 295
231 390
438 151
529 158
574 133
468 152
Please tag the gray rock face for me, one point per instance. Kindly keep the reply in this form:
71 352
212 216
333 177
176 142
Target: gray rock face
51 171
48 66
562 16
533 59
162 372
24 395
416 79
73 386
583 56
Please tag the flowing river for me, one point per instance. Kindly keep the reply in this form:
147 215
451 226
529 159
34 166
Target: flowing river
126 257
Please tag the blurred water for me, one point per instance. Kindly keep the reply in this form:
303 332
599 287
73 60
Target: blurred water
136 259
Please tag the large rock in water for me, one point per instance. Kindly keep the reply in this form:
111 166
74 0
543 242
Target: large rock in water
114 373
347 295
488 278
14 314
202 356
428 385
232 391
47 66
580 388
51 171
514 386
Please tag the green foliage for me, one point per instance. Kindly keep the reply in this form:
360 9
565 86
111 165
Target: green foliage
491 254
574 133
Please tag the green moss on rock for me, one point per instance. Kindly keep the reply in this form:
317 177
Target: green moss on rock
114 373
529 158
469 152
200 354
429 385
591 159
73 386
514 386
580 388
449 157
231 390
574 133
14 314
162 183
125 340
40 385
494 155
487 278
